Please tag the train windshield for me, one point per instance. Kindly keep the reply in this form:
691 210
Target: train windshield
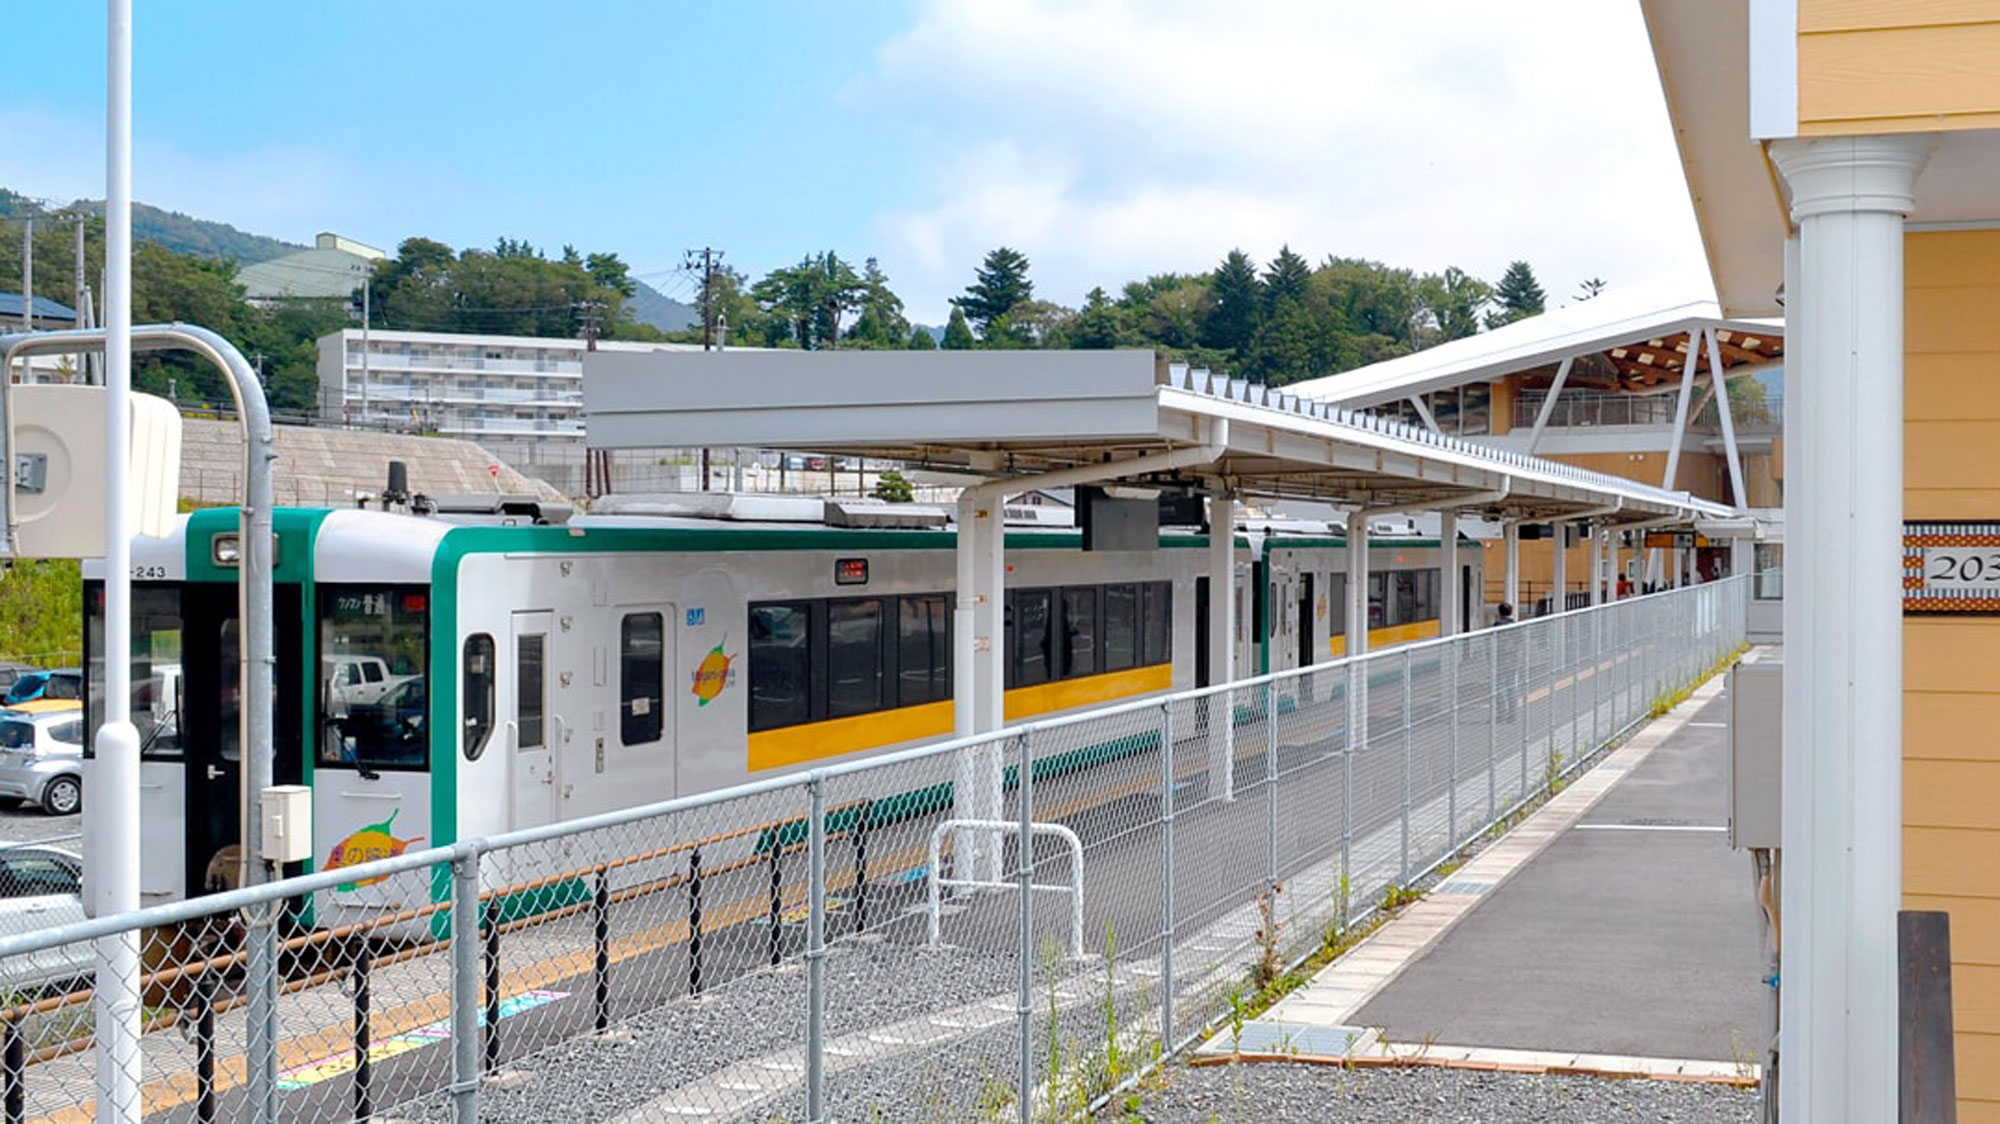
374 709
156 665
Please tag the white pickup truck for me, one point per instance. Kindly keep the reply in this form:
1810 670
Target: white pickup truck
354 680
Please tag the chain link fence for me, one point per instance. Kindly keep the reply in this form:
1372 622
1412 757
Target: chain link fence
1004 928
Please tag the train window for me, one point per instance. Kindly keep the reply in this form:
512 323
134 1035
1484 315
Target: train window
1406 597
780 665
641 678
853 657
1121 627
923 650
478 693
530 688
1336 605
373 697
1079 632
1378 600
1028 630
1156 616
156 666
1427 600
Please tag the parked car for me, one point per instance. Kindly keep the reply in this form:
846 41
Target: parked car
42 887
62 683
10 671
357 680
43 706
389 731
41 759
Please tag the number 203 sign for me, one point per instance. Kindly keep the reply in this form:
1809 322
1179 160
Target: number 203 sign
1951 568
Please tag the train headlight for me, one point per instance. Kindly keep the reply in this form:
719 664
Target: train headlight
226 550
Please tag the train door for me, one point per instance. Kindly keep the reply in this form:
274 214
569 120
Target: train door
209 715
532 768
1307 615
1201 632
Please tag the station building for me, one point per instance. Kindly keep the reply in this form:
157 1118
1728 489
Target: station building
1842 155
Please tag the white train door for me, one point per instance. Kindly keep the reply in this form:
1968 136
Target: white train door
530 731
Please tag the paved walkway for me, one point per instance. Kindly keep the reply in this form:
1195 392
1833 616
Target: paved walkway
1614 931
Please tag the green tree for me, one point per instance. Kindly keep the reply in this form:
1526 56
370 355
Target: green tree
893 487
1098 325
1236 304
957 333
881 322
1518 294
811 298
1286 278
1452 302
1000 283
1167 309
921 339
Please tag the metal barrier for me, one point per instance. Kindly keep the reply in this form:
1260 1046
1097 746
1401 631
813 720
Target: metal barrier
766 952
936 881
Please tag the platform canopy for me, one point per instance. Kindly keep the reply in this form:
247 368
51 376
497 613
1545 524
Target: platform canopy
1642 337
1023 414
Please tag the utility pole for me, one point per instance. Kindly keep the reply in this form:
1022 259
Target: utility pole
28 275
709 258
79 273
591 310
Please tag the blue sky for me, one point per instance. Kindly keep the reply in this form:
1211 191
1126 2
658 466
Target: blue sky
1106 139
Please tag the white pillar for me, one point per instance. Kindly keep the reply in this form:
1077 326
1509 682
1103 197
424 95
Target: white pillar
1597 541
1559 596
979 676
1357 584
1448 585
1511 586
1843 831
1222 641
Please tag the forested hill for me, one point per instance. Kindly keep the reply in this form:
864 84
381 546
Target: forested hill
183 234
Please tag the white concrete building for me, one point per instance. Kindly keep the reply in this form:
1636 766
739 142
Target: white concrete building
510 393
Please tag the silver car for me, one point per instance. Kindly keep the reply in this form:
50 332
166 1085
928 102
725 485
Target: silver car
41 759
42 887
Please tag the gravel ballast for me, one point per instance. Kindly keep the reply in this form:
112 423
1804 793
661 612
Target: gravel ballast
1276 1093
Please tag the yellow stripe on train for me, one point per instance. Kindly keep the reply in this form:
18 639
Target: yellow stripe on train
815 741
1387 637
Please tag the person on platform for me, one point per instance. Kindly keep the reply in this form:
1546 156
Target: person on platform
1507 687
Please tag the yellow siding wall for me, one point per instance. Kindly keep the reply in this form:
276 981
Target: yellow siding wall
1880 66
1951 696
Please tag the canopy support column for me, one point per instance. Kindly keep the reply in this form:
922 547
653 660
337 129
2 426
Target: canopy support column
1222 641
1728 422
1448 583
1559 579
1357 630
1511 585
979 677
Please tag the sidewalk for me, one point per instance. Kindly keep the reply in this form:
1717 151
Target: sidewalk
1613 932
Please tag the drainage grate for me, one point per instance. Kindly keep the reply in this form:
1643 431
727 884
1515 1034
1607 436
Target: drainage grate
1261 1037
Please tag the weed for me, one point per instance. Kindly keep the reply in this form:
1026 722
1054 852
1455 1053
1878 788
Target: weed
1270 964
1397 896
1552 772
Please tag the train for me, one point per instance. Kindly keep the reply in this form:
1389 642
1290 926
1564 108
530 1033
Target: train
440 679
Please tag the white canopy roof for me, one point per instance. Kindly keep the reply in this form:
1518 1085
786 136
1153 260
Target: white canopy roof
1086 414
1617 318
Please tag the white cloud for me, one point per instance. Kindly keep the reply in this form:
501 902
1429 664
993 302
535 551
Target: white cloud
1108 139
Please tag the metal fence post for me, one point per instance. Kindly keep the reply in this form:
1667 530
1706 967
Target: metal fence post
364 1062
1271 787
1024 877
1493 726
465 987
1409 768
1167 877
260 1043
1448 667
816 957
1347 796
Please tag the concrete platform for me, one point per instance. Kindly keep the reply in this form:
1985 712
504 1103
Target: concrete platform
1615 931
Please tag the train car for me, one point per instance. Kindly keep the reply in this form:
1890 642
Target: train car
439 681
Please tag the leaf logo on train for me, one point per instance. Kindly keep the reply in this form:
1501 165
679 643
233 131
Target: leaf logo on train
366 845
712 674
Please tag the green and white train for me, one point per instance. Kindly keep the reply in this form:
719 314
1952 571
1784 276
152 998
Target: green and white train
438 680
